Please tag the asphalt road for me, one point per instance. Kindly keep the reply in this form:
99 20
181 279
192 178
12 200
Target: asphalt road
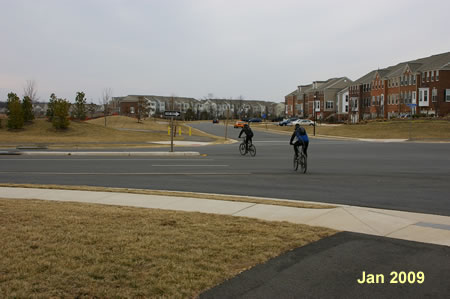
402 176
331 268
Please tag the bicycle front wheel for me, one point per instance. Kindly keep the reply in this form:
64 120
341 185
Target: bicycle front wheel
295 162
252 150
242 149
303 163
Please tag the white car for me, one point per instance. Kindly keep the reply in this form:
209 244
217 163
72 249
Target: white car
302 122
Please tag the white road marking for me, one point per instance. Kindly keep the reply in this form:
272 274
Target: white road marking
190 165
126 173
72 158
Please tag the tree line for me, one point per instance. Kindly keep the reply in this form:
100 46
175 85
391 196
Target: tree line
20 112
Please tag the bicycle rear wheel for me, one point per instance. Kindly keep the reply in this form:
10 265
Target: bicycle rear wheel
242 149
252 150
295 162
303 163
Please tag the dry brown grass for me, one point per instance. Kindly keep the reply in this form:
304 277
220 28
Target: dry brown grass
395 129
41 131
93 133
55 249
257 200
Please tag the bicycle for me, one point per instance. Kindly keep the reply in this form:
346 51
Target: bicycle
300 160
244 150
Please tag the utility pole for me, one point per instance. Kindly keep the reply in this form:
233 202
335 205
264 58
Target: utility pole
315 113
172 133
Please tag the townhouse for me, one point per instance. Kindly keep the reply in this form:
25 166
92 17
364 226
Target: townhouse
201 109
360 98
420 86
317 100
290 103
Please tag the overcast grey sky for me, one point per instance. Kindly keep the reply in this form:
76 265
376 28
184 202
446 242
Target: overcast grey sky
259 49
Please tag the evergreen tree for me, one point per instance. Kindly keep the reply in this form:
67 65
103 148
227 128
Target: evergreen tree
80 106
60 117
14 111
50 109
27 106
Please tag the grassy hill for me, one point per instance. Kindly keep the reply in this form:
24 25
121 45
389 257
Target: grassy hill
41 131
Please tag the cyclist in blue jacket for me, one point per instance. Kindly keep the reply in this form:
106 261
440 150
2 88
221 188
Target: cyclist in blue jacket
302 139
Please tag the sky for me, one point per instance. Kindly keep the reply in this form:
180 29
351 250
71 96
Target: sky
256 49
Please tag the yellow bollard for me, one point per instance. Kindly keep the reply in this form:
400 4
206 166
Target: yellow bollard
168 131
190 131
179 131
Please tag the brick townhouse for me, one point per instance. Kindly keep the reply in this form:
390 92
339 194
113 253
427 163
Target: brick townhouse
360 98
420 86
291 102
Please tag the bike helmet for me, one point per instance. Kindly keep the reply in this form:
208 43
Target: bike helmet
245 125
297 126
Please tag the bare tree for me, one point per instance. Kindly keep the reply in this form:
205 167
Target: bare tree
142 109
30 91
106 96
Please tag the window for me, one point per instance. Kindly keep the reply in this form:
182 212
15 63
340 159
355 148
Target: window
437 75
346 108
329 105
447 95
434 94
346 98
131 109
428 76
432 75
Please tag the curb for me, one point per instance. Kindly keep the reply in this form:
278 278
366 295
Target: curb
169 154
5 153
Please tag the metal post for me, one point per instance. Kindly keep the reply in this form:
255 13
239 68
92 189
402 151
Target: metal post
226 123
171 134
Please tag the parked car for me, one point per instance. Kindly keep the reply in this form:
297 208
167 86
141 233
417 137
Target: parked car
306 122
239 124
287 122
254 120
215 121
302 122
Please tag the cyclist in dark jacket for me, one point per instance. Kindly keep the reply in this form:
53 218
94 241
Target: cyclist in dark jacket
302 139
248 135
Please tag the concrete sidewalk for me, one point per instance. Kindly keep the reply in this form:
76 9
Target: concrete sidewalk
433 229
